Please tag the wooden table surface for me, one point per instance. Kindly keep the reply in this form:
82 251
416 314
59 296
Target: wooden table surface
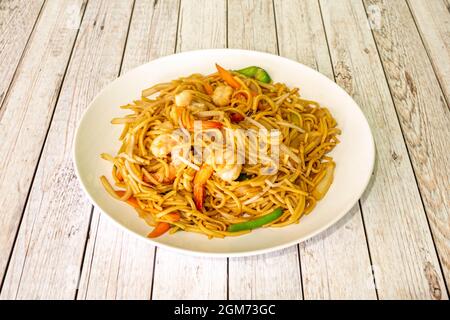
393 57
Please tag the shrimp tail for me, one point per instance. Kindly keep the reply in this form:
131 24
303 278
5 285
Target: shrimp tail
200 179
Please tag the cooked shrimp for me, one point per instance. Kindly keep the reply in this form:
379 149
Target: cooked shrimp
183 99
222 95
160 176
162 145
229 172
225 166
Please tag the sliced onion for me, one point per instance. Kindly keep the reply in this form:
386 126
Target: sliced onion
322 187
210 113
259 195
289 152
256 123
290 125
278 101
188 163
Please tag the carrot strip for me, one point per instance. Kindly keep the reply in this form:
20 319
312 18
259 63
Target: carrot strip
209 90
228 77
131 200
160 229
173 217
210 124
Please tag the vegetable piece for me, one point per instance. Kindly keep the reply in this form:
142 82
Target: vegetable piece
295 119
199 184
188 121
228 77
257 223
256 73
160 229
131 200
236 117
243 177
209 90
173 217
324 184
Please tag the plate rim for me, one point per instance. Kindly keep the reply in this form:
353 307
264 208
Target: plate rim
191 252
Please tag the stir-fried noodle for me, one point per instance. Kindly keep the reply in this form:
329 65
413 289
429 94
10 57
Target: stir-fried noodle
223 154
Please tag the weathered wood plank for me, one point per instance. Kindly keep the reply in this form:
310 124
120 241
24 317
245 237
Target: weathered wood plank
183 277
268 276
433 22
120 266
422 112
27 111
88 260
399 238
49 248
336 265
252 26
17 19
326 263
202 24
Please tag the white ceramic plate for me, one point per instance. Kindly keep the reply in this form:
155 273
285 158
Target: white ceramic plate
354 156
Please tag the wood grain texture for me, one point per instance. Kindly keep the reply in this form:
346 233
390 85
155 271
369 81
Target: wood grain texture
17 19
120 266
399 74
252 26
336 265
181 277
399 238
202 24
47 258
27 112
267 276
423 115
433 22
328 271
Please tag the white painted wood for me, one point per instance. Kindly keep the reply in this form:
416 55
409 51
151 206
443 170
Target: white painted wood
85 273
401 246
308 46
335 264
17 19
202 24
120 266
423 115
47 258
27 111
328 270
251 25
270 276
48 253
181 277
433 21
